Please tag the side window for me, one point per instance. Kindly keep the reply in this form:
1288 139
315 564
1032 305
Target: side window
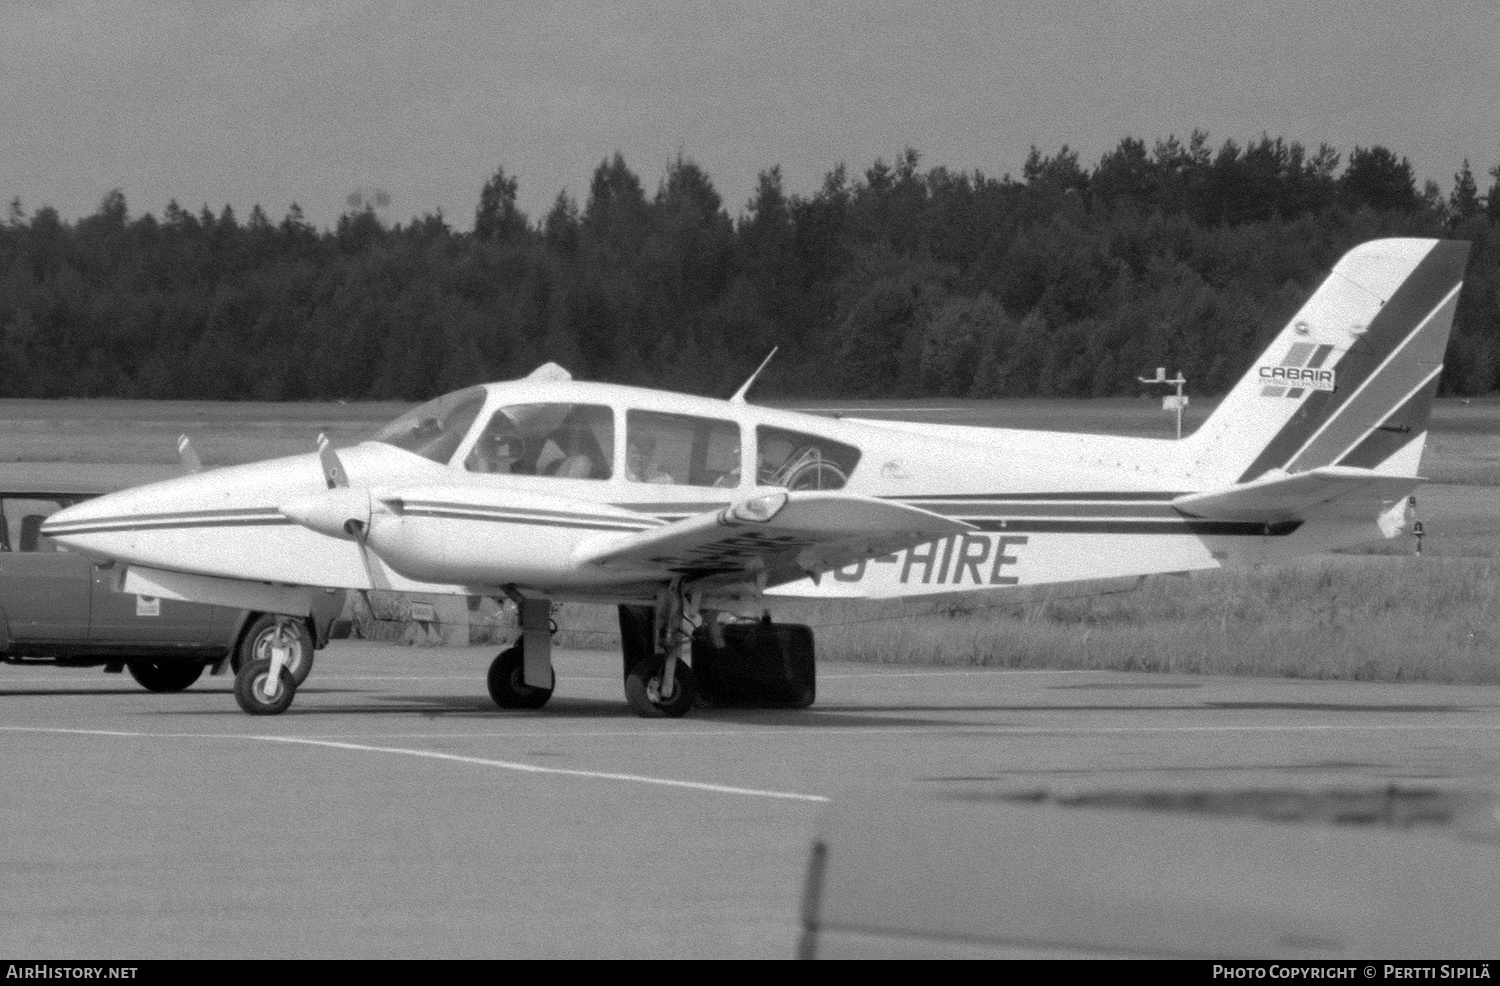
681 449
799 461
21 523
570 441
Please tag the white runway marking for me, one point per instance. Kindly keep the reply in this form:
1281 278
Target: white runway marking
559 771
525 768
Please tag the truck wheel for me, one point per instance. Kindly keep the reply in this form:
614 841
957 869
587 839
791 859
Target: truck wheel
258 639
164 676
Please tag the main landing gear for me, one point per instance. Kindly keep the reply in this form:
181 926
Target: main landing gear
655 693
659 683
507 681
521 677
756 665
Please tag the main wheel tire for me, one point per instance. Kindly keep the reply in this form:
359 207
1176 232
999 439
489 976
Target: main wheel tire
250 689
507 682
261 636
643 689
164 676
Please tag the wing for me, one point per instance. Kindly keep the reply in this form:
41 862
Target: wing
776 538
1328 492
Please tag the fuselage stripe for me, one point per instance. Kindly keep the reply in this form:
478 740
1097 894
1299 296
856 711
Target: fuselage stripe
479 510
1022 517
1060 497
491 517
127 525
1181 526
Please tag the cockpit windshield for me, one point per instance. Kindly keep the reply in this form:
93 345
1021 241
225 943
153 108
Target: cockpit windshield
435 429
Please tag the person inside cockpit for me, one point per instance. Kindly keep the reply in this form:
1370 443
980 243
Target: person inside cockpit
497 449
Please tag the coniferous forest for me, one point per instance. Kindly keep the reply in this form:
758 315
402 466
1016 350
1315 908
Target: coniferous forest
901 281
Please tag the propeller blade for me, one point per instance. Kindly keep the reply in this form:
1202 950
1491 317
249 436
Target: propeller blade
189 455
333 470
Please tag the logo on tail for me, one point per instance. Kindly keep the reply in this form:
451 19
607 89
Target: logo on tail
1301 370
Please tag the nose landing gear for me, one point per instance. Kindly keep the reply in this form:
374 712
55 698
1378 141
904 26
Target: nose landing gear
266 687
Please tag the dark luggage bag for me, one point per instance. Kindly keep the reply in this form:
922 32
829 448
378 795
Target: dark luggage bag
761 665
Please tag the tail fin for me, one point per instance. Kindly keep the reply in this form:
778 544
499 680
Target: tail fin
1350 380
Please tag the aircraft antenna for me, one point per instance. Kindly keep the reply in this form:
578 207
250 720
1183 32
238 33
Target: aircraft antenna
739 395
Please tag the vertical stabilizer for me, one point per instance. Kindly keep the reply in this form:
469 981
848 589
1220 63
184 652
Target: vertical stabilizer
1350 380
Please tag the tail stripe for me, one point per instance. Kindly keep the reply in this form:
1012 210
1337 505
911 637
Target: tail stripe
1433 280
1392 385
1407 424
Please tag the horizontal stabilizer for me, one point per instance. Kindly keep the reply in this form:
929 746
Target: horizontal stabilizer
811 532
1330 491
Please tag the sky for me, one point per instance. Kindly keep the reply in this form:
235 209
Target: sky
309 101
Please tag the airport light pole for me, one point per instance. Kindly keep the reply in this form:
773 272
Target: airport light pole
1169 401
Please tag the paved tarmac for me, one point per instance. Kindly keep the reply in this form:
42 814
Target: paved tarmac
395 812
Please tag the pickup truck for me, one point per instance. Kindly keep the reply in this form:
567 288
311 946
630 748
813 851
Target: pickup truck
58 606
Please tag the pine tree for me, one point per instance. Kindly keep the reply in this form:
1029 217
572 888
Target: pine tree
497 219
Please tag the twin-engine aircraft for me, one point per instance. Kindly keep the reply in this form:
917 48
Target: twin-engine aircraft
679 508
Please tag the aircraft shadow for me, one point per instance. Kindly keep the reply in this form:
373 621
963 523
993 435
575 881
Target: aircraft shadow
828 719
66 692
1124 686
480 707
1203 768
1338 707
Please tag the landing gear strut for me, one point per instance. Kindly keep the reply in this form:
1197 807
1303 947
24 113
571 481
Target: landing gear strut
659 683
521 677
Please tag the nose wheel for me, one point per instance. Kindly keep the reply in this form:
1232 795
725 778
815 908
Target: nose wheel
266 686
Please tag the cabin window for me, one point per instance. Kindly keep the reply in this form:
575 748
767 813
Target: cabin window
681 449
568 441
435 429
799 461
